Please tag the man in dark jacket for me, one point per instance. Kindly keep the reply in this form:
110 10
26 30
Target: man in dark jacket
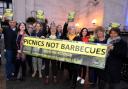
10 35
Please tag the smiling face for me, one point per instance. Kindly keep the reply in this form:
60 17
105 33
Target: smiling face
84 33
38 27
22 27
100 34
113 34
53 30
72 30
30 28
59 28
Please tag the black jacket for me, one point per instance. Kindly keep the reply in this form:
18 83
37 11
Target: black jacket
39 34
114 62
10 37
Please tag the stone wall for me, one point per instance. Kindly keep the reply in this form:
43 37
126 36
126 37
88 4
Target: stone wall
104 11
89 10
115 11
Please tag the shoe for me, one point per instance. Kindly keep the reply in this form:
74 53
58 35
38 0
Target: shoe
21 79
12 78
55 80
73 86
40 75
47 80
93 85
78 78
34 74
43 67
82 81
13 74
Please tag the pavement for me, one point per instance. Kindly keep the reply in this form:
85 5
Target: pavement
36 83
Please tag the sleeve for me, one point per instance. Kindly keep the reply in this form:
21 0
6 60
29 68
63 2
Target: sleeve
4 30
120 49
65 31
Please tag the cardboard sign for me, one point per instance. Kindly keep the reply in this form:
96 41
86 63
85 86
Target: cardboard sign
71 16
40 15
8 13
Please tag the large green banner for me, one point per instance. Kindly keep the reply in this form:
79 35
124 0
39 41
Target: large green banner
93 55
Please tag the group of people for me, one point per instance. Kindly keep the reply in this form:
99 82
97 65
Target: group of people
14 34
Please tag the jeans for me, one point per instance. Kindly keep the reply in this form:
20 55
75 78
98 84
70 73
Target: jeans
37 64
9 55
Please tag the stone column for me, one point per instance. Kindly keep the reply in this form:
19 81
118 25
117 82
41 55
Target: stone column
30 6
19 10
114 11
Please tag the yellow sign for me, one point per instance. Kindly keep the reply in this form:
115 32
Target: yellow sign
71 16
8 13
96 50
40 15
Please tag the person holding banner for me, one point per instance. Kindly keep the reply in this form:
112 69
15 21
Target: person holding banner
38 32
51 35
59 35
84 37
20 61
72 68
95 73
117 52
30 29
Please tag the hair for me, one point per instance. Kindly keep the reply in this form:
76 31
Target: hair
71 28
39 24
99 29
117 30
26 31
49 31
82 32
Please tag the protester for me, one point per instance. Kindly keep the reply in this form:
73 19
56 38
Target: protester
117 52
96 74
29 57
51 35
10 35
84 37
69 33
59 35
21 60
38 32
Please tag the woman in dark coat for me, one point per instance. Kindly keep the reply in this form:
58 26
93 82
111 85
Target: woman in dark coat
95 73
117 52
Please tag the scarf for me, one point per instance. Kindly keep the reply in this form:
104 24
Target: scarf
52 37
112 41
71 37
